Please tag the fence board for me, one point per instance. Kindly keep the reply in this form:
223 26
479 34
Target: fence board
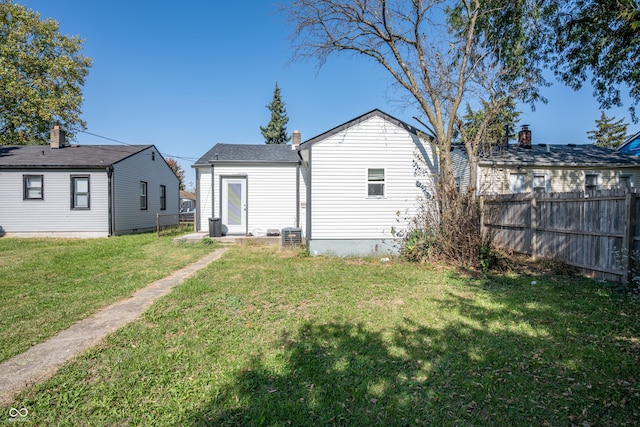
592 232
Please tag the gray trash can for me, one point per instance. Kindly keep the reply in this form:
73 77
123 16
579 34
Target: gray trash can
215 227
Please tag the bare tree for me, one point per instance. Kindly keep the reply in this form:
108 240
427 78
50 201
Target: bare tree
445 55
435 50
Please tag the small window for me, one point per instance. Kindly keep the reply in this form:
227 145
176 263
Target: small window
375 179
163 197
625 181
539 183
517 183
143 195
590 181
33 186
79 192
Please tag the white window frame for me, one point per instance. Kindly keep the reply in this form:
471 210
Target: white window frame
545 186
374 181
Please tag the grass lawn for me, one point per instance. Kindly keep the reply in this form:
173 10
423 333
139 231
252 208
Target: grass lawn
270 337
46 285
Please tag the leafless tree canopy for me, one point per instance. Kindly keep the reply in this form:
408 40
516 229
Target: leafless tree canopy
432 48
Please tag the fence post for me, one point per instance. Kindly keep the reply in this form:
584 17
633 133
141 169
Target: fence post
534 225
158 224
629 234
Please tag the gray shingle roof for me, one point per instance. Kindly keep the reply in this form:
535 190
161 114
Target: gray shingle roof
271 153
560 155
82 156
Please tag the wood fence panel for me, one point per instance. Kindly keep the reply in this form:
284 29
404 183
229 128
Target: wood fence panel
591 232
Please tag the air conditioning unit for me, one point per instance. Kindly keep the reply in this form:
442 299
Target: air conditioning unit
291 236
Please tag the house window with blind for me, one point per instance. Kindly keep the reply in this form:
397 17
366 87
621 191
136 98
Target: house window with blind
375 182
143 195
32 187
539 183
590 181
79 192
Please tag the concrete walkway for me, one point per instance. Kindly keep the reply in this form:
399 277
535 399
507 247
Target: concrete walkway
43 360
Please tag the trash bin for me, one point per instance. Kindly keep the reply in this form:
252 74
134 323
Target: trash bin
215 227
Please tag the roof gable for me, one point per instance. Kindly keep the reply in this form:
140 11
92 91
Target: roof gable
81 156
358 120
252 153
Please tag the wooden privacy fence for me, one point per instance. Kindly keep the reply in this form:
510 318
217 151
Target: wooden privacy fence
594 232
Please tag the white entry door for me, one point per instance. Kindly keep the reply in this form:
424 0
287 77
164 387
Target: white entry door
234 205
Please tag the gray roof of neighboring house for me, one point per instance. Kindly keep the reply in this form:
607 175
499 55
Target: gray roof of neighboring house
586 155
242 153
80 156
358 120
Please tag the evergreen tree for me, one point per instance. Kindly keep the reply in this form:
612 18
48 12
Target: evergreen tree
276 131
609 133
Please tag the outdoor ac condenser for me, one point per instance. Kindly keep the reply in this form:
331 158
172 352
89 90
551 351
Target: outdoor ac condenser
291 236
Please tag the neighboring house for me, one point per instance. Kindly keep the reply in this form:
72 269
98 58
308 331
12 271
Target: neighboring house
527 167
83 191
251 189
364 183
187 201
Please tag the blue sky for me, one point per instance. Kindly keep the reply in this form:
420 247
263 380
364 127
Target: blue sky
187 75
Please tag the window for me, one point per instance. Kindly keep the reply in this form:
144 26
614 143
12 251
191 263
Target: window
79 192
375 179
625 181
33 187
590 181
163 197
143 195
517 183
539 183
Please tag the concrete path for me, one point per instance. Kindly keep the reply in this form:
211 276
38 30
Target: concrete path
42 360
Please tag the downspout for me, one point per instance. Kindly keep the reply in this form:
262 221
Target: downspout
110 197
196 219
298 194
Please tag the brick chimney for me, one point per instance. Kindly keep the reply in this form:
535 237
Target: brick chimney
296 137
524 137
57 137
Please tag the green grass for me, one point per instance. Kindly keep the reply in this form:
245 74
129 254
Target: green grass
270 337
46 285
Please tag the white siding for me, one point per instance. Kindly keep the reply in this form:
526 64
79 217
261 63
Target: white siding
127 174
53 215
271 194
204 210
340 206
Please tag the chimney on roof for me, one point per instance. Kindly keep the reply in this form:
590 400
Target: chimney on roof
57 137
296 137
524 137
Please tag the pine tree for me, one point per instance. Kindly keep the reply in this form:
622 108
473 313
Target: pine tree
276 131
609 133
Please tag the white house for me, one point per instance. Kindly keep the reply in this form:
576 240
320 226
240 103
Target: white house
250 189
349 189
363 183
83 190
